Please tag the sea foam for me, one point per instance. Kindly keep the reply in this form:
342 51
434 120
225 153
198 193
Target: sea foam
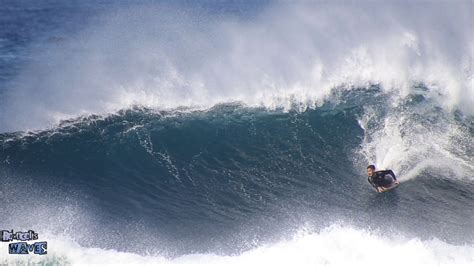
334 245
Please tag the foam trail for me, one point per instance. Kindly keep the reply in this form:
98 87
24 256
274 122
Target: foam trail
164 58
418 169
414 136
335 245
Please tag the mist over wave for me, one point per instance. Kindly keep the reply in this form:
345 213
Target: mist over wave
165 57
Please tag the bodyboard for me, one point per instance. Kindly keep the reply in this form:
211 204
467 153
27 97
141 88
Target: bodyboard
390 187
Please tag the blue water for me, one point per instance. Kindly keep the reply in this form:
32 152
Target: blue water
225 179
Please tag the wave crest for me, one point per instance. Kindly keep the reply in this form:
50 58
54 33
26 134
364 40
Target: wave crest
162 57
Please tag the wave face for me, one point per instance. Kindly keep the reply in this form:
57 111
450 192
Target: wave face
199 138
234 178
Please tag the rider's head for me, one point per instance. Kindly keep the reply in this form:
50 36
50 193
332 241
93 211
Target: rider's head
370 170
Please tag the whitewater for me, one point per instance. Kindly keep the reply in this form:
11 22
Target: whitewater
237 132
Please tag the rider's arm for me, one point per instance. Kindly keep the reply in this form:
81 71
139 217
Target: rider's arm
391 172
372 182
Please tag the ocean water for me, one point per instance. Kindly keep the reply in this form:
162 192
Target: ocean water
237 132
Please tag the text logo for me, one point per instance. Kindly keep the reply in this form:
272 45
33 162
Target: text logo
39 248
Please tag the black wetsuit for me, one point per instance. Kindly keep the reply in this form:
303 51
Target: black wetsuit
382 178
